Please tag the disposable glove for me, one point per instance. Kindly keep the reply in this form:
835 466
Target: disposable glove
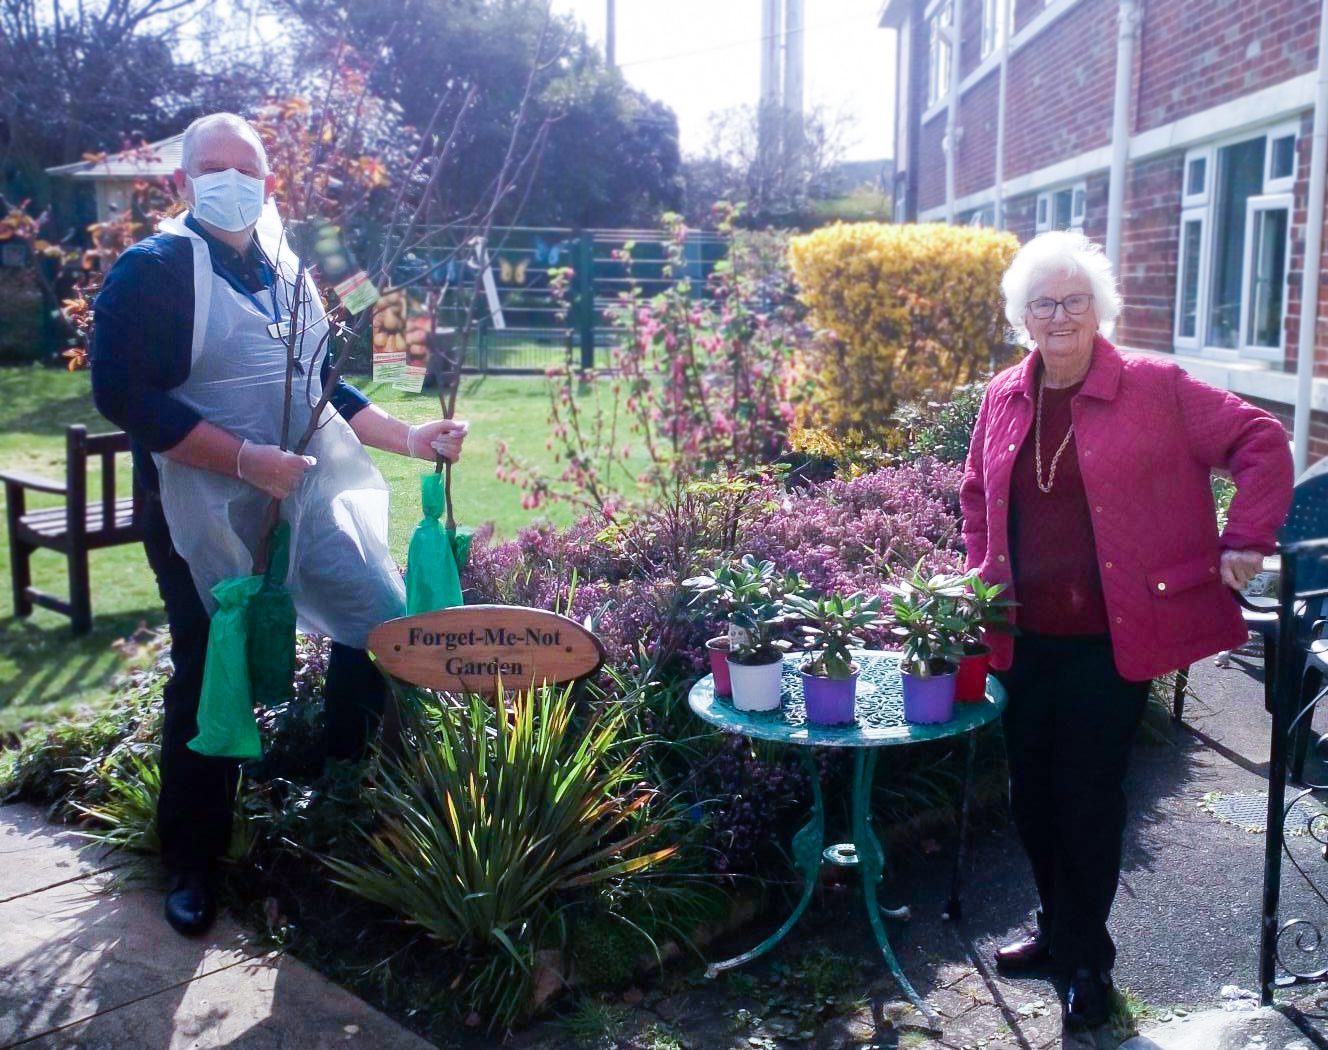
442 437
268 468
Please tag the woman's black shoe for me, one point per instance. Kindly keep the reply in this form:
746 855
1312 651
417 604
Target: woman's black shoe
1027 953
191 903
1088 1002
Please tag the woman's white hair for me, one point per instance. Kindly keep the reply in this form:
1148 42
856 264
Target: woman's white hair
1063 254
201 128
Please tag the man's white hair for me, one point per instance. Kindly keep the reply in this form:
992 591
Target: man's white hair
1064 254
201 128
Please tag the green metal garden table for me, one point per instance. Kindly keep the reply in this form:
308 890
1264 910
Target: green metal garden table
879 723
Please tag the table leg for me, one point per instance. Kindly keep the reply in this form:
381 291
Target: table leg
807 846
954 908
871 860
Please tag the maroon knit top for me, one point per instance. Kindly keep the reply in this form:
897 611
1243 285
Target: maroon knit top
1056 576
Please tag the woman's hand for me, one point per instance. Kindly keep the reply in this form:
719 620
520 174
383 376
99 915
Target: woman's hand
442 437
1239 567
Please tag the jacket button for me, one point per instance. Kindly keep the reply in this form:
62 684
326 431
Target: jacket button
1011 448
1109 565
1098 508
1118 620
1161 586
1000 557
1000 502
1212 569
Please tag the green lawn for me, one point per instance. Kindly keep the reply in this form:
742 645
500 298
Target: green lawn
45 671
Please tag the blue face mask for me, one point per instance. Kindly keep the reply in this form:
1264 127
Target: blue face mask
228 200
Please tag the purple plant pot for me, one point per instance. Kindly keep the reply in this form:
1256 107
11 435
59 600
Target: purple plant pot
829 700
929 700
718 651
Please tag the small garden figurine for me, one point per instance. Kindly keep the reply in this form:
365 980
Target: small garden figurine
832 625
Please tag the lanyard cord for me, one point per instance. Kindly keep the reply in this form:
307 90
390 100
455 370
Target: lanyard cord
266 274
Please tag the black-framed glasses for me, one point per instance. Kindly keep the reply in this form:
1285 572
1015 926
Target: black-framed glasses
1044 309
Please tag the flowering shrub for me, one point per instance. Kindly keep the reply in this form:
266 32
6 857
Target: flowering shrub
914 310
697 386
840 535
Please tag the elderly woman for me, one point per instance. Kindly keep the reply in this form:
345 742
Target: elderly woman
1087 490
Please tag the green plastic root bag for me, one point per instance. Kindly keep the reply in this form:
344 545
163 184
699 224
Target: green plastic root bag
432 579
226 725
271 624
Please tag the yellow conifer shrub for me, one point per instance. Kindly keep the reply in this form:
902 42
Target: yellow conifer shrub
910 312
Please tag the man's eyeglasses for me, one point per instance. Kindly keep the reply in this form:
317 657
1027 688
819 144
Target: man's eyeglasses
1045 309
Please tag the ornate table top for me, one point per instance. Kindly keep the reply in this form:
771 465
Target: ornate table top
880 710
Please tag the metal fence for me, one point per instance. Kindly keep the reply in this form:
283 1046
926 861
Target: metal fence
520 323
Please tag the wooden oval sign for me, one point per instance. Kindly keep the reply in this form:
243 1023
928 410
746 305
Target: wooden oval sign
469 648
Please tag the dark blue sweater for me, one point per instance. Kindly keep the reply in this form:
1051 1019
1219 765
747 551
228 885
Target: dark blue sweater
142 337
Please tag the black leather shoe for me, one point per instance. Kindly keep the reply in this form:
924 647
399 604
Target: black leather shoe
1088 1002
1027 953
191 903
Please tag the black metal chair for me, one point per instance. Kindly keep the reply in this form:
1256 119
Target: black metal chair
1302 659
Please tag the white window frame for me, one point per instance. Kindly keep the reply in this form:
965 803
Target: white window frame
1196 213
940 18
996 19
1046 207
1287 183
1266 202
1277 193
1190 200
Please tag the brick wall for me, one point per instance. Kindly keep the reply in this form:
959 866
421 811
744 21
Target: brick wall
931 164
976 166
1150 236
1060 88
1199 53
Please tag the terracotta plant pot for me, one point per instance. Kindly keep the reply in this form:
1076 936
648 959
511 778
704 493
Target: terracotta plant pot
718 651
971 684
930 700
829 700
757 687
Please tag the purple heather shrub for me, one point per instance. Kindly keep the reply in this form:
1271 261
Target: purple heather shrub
859 534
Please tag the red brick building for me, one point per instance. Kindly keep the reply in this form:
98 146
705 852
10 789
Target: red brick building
1206 111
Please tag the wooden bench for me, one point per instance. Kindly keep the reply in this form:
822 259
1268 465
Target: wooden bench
74 529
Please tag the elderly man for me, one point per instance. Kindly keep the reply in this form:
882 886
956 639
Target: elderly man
189 357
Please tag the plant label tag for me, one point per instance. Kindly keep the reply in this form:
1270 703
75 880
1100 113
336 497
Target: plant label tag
357 293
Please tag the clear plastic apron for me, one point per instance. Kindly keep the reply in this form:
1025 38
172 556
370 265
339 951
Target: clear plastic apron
342 575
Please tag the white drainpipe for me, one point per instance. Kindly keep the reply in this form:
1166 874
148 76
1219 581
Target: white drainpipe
1309 276
998 204
1128 21
952 132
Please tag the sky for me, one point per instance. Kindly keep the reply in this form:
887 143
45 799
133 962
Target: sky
698 56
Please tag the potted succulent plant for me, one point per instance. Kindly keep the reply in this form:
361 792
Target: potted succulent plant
832 625
927 617
984 610
714 593
750 593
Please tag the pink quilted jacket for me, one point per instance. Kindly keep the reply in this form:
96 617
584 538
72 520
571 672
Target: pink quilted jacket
1147 435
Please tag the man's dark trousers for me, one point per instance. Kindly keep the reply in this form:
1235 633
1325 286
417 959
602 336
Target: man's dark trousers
1069 726
198 792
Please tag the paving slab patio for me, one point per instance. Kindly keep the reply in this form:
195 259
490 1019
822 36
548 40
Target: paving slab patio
88 963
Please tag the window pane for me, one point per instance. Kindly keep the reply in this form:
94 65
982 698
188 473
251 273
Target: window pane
1284 157
1190 243
1194 180
1239 177
1078 205
1061 202
1268 279
1042 211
